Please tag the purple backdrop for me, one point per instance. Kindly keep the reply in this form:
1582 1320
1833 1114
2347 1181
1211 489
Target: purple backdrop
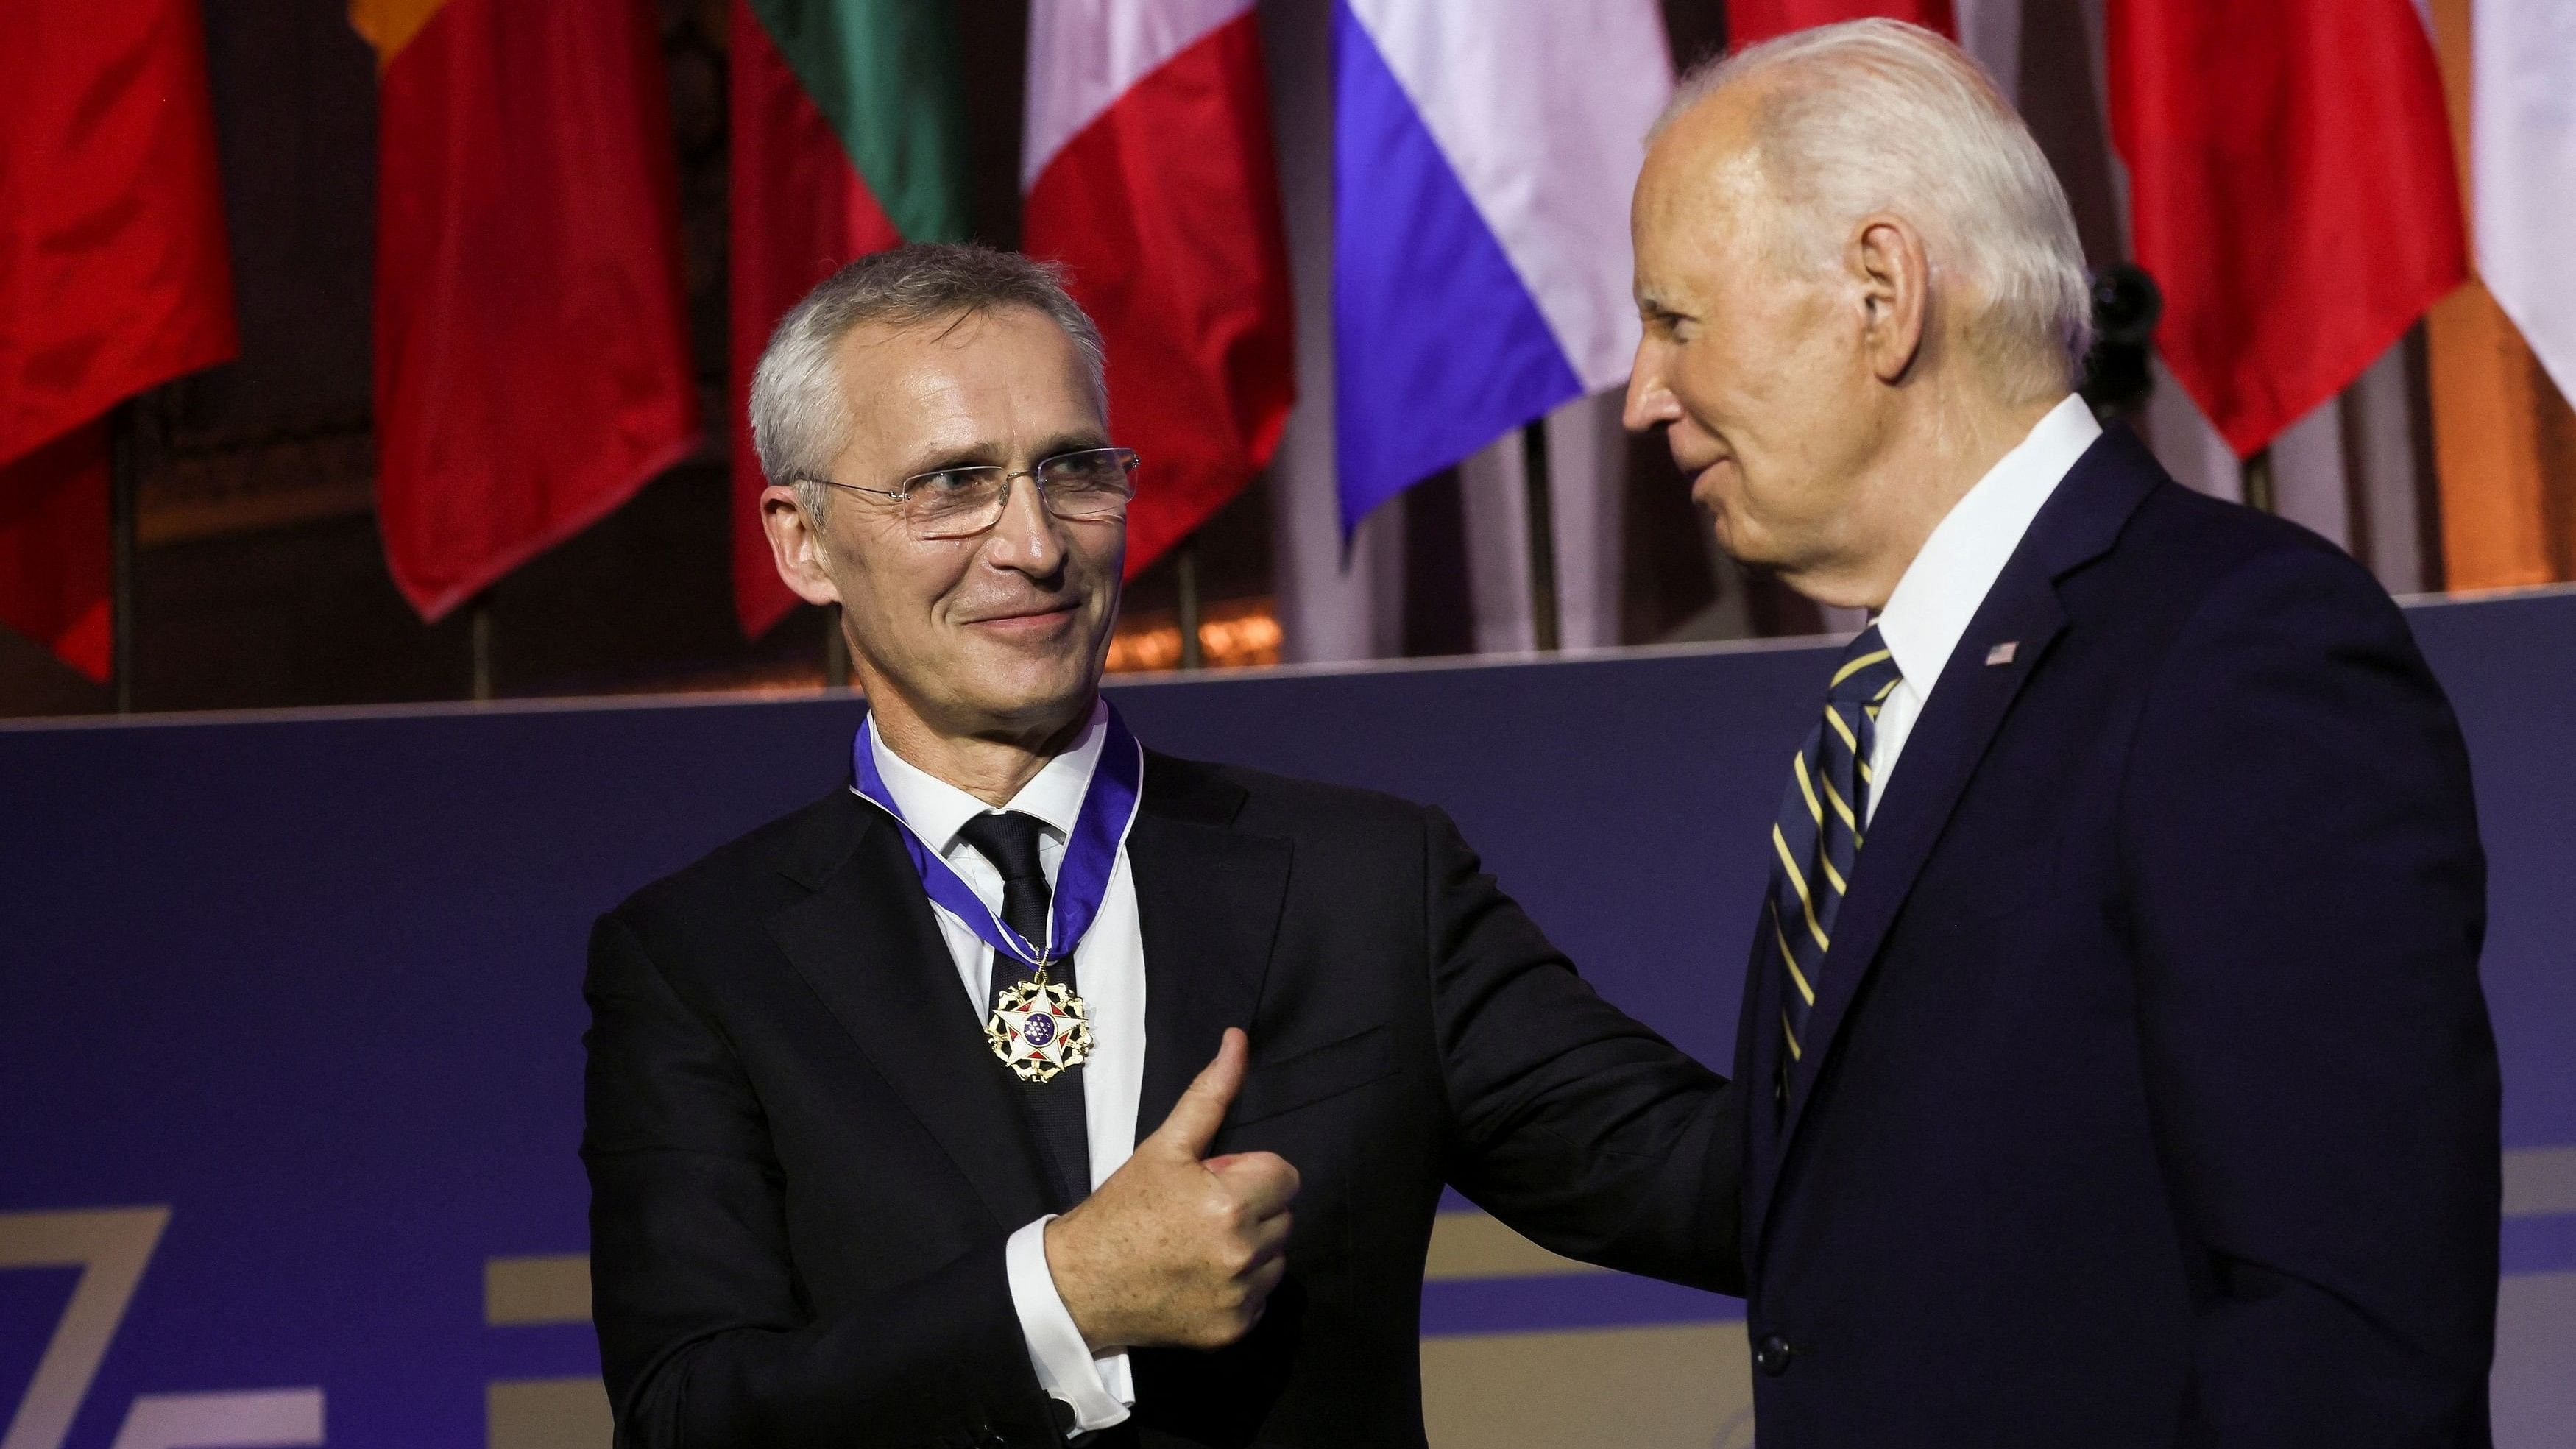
312 982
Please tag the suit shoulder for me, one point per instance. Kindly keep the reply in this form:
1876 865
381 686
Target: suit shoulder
1288 804
2189 552
2202 596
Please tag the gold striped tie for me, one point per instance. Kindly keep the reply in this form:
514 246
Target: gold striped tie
1815 844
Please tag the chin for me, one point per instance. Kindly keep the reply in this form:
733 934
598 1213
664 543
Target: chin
1724 535
1030 694
1742 543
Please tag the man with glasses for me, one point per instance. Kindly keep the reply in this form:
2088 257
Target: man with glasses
927 1114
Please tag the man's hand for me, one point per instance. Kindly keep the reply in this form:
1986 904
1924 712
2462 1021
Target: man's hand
1173 1251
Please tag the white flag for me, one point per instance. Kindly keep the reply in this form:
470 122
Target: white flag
2522 145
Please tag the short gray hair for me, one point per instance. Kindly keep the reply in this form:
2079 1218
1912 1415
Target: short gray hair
1906 123
799 419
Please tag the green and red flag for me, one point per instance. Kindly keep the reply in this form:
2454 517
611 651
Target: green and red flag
848 138
532 366
114 277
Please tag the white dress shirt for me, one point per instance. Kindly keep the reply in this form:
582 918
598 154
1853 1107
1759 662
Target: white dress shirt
1948 581
1109 972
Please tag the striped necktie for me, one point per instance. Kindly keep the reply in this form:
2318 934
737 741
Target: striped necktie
1816 841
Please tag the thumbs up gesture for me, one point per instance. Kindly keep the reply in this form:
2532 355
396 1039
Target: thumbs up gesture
1178 1249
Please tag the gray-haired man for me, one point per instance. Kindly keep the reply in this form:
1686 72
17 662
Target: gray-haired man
867 1087
2130 1085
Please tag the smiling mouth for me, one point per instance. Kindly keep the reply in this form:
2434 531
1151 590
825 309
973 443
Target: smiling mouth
1027 618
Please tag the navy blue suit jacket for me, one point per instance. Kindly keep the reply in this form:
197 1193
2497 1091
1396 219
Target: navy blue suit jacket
2150 1097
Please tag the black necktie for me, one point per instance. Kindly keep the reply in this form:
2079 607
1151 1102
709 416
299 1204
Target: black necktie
1010 841
1816 843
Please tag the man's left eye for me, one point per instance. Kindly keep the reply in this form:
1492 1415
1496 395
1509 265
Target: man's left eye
1090 468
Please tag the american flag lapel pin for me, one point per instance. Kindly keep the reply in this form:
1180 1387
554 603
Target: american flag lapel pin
2003 653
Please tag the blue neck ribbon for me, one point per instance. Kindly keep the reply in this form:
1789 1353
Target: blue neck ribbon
1090 855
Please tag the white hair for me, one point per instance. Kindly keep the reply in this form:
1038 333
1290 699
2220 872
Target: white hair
1877 115
800 420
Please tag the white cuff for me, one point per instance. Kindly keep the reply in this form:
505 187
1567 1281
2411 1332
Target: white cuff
1099 1389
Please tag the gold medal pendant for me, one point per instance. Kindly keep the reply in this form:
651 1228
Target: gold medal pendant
1038 1029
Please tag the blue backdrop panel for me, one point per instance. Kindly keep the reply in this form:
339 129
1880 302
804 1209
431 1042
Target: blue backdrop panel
312 983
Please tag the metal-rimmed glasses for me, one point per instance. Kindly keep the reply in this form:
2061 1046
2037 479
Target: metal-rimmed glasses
1087 485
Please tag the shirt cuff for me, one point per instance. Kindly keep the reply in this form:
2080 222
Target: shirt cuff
1100 1390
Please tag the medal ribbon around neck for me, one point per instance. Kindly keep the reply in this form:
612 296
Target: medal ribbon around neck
1082 878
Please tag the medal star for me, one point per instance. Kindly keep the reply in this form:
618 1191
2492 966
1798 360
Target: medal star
1038 1031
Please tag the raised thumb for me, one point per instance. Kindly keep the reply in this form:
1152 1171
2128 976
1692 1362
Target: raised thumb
1201 1110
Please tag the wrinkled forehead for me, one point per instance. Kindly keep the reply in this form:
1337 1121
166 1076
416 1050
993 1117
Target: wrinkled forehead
966 382
1704 202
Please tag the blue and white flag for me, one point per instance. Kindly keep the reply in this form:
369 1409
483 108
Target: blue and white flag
1484 151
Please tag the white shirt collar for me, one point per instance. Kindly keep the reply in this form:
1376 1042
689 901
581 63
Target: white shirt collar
1948 581
937 810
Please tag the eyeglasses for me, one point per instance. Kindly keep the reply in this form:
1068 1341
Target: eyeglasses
1089 485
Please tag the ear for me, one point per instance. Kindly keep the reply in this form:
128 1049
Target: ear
1888 261
796 544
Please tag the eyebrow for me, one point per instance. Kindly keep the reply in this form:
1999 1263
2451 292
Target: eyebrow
1078 440
990 454
1653 306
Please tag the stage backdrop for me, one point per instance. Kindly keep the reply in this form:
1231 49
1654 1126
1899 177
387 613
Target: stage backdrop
290 1019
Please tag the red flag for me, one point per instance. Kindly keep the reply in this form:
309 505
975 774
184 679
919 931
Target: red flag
55 573
1751 21
2291 188
113 278
1150 175
532 363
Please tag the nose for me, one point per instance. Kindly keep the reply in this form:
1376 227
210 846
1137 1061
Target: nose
1028 539
1649 401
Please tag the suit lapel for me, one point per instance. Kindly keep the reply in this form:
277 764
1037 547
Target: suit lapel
868 945
1968 705
1208 897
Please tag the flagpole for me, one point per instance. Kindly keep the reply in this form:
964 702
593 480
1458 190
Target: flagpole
2259 489
1542 535
124 491
478 619
1185 577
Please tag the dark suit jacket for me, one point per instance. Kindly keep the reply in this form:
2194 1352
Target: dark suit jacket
2150 1098
805 1163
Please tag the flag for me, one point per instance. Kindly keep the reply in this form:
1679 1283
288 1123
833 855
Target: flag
1148 172
2502 350
1484 151
2291 189
532 365
848 137
2522 163
114 278
1749 22
57 578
